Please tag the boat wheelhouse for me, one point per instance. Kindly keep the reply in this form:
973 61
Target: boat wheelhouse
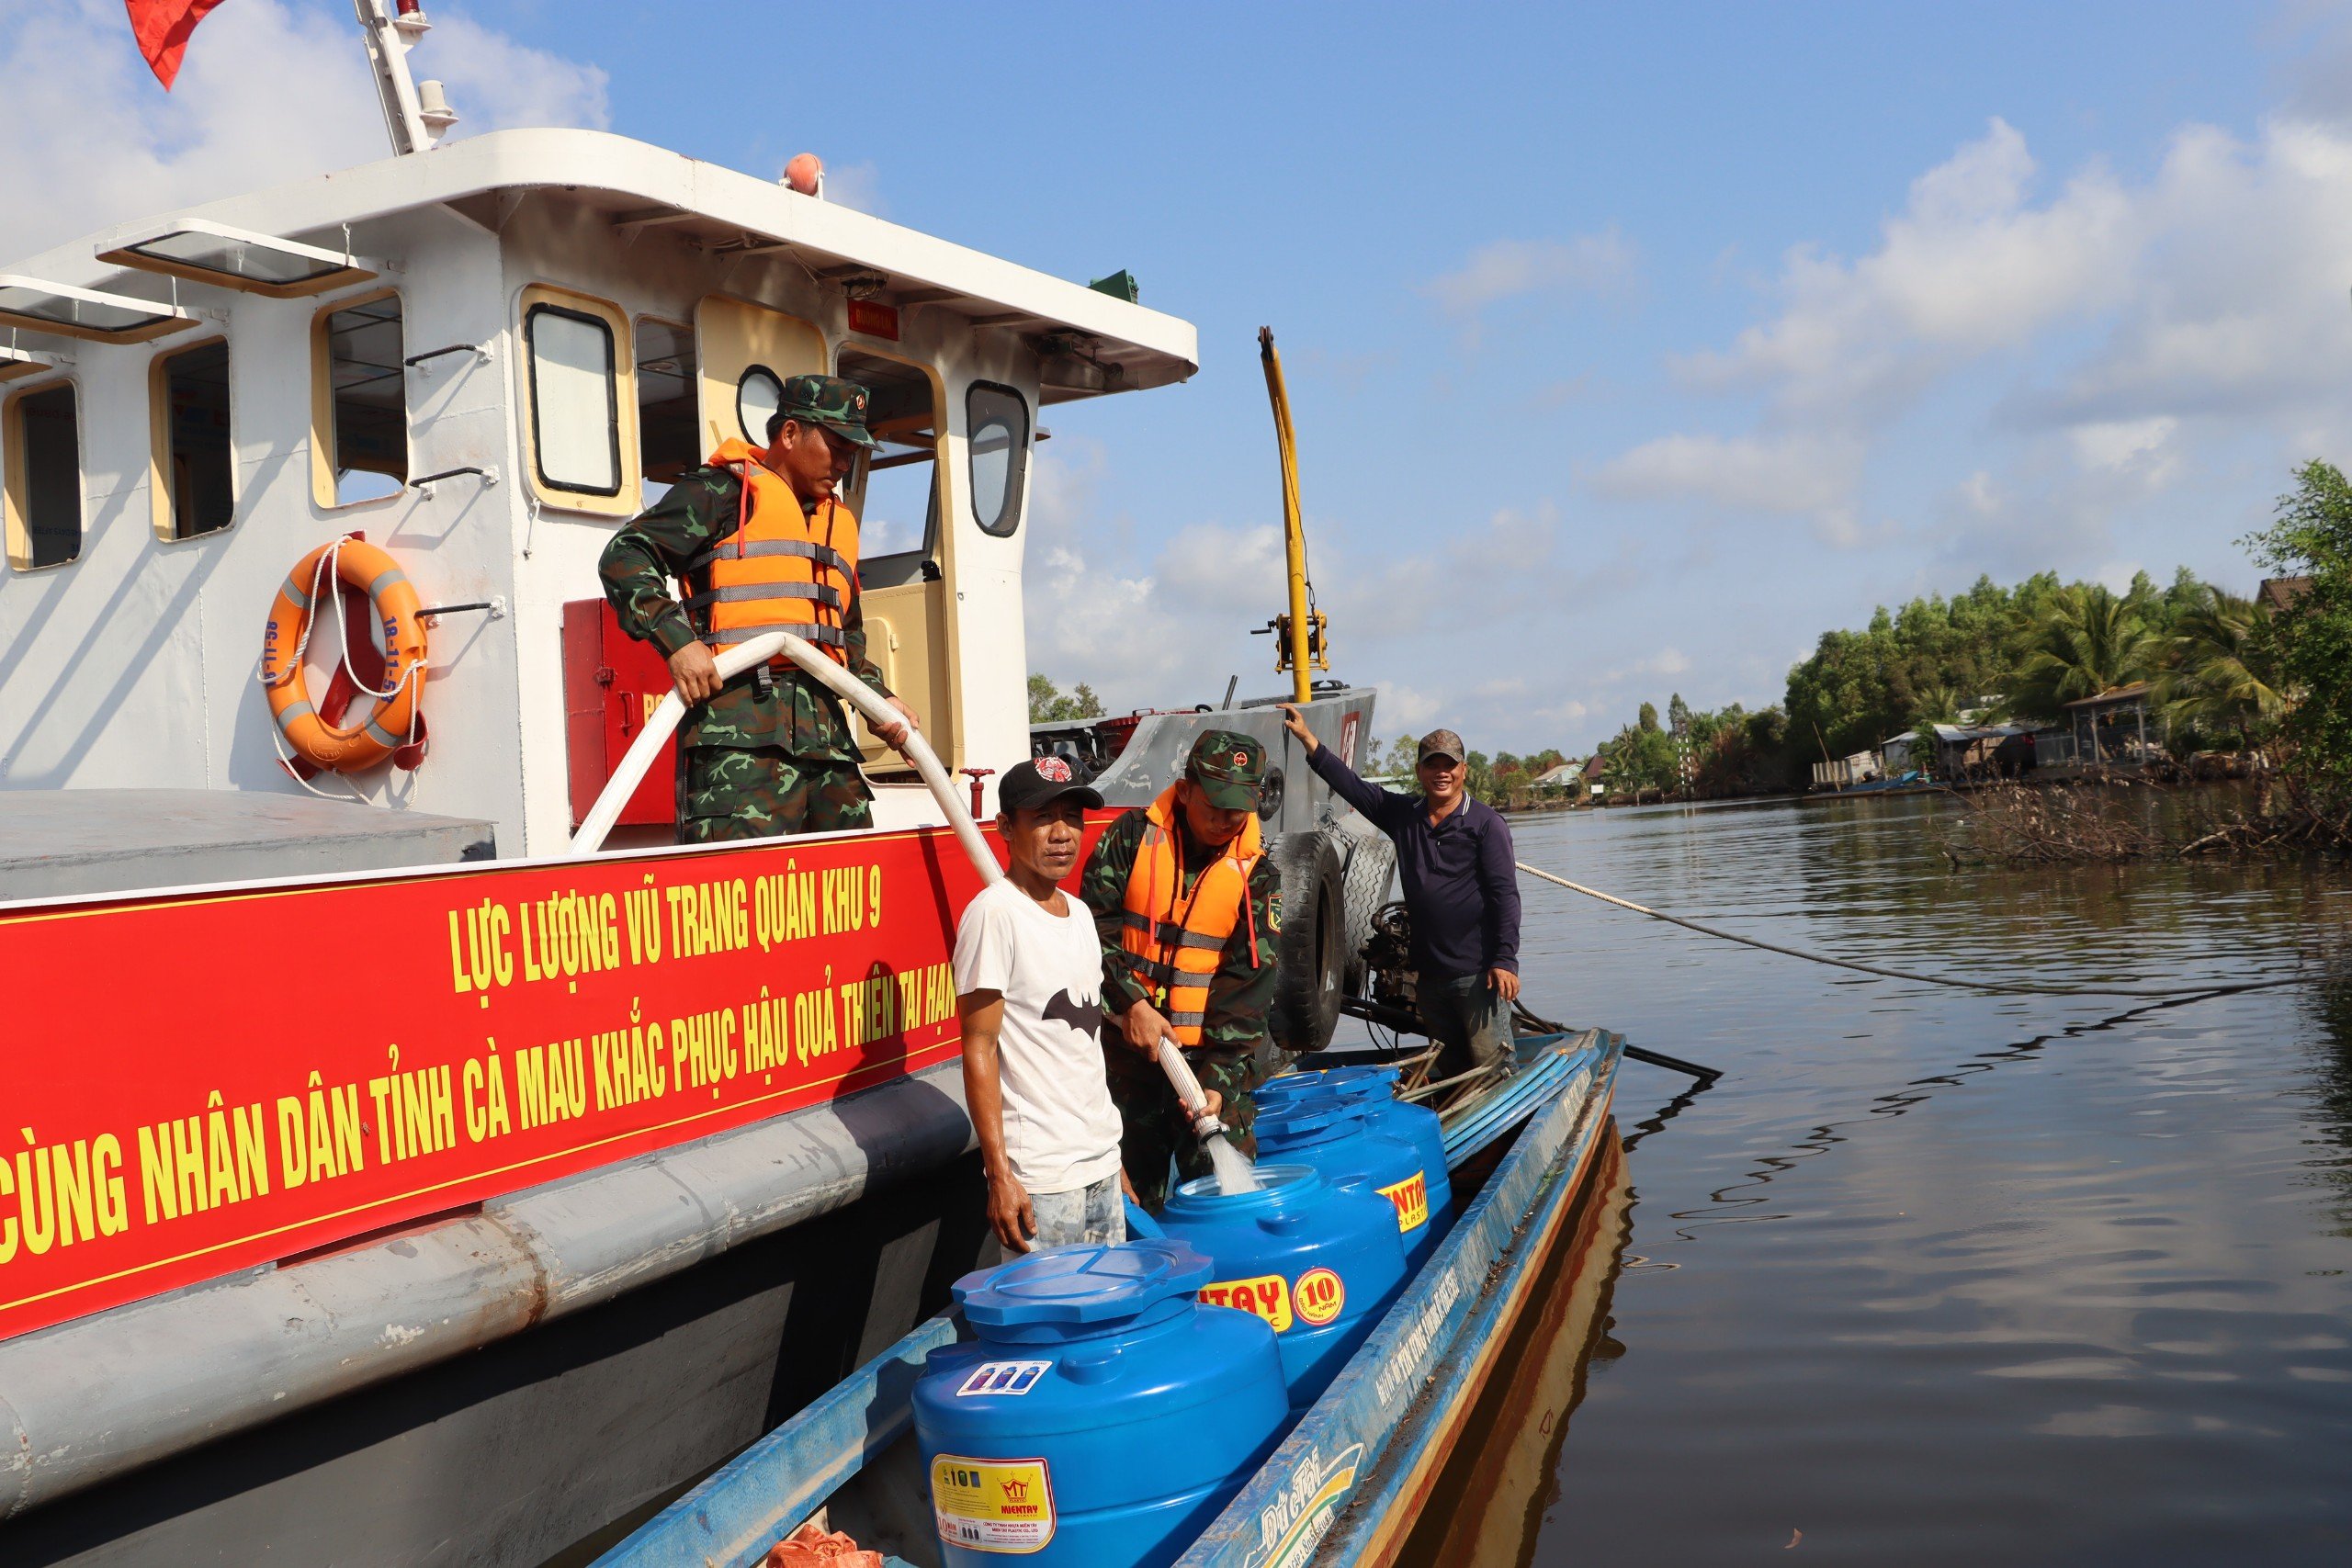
483 359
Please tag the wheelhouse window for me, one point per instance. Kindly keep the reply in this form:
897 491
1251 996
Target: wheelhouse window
759 393
575 399
365 427
894 489
668 443
997 420
41 455
195 460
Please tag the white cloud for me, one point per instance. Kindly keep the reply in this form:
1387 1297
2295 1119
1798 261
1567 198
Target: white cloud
2126 444
1504 269
269 92
1967 267
1404 708
2109 340
497 84
1160 624
1791 476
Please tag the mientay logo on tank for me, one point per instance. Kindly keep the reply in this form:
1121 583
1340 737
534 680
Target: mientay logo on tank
1291 1527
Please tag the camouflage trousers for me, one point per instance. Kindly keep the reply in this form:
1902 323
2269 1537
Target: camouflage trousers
728 793
1154 1129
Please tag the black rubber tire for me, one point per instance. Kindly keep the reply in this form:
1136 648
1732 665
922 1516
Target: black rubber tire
1314 943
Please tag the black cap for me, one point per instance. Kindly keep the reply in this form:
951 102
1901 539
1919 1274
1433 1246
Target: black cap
1041 782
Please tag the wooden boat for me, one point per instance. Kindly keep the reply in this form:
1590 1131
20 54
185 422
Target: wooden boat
1497 1485
1345 1486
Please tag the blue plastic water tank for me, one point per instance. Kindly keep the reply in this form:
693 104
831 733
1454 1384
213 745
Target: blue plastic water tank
1339 1138
1103 1415
1374 1089
1319 1261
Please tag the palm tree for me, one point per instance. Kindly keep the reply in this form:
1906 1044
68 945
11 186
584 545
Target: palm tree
2088 640
2215 681
1939 704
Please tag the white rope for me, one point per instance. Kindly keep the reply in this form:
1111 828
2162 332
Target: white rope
2217 988
326 572
296 774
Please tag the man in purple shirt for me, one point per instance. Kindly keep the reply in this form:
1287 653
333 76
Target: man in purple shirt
1454 858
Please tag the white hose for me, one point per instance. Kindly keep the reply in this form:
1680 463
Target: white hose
1187 1088
733 662
917 751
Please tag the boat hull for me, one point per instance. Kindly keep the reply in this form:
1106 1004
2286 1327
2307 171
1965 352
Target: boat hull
544 1445
1347 1484
1346 1479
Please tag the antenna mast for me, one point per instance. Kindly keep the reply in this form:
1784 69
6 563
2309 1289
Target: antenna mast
415 115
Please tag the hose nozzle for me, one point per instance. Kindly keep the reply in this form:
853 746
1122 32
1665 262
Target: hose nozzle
1189 1093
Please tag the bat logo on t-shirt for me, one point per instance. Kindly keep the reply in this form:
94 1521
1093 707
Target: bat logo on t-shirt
1084 1017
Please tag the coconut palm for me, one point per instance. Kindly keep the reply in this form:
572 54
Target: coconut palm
2215 681
1935 705
2090 639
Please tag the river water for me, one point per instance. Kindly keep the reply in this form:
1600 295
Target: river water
1933 1277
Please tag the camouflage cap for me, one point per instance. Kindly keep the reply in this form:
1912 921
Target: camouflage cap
829 401
1442 743
1229 768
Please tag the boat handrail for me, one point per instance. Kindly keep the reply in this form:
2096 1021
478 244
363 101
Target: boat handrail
870 704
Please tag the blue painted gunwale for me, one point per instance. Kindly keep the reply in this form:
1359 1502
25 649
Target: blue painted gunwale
731 1518
1309 1501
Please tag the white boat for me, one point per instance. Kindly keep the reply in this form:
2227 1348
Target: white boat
395 1186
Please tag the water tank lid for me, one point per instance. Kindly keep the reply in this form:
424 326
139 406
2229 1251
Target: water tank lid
1349 1083
1305 1115
1083 1284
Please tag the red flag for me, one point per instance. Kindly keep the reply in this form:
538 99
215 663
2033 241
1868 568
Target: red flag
163 29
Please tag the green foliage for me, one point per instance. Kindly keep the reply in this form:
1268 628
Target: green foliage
2307 647
2217 688
1048 705
2034 647
2088 639
1512 778
1400 761
1641 756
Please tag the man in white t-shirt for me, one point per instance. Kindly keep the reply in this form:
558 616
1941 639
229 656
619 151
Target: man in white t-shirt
1029 990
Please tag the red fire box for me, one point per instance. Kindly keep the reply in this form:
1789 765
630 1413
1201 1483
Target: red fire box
611 683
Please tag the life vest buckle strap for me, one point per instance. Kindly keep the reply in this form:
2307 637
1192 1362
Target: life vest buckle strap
807 631
745 592
735 548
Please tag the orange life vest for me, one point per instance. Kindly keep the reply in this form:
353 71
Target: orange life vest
1176 941
780 569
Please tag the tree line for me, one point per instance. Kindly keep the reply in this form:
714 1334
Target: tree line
2223 668
2226 671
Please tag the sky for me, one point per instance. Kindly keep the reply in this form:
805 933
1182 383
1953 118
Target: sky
1630 348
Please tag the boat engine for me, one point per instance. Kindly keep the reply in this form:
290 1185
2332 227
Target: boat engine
1389 978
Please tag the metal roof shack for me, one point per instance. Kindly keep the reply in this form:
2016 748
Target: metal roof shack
2111 726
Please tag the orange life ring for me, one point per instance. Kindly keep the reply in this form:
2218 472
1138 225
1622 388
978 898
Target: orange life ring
392 725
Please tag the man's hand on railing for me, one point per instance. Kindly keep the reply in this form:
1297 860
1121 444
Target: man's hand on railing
695 673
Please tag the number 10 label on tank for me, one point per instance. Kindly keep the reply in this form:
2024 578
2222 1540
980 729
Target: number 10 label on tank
993 1505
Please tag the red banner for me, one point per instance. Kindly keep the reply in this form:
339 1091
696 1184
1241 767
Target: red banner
198 1084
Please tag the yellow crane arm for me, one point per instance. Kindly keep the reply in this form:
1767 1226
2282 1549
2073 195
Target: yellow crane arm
1299 653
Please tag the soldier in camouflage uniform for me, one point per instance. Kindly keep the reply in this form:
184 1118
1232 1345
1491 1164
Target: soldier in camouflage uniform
1217 795
768 752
